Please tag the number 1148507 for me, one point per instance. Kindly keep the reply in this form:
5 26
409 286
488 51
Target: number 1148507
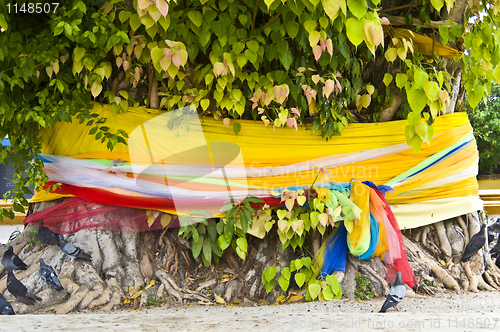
32 8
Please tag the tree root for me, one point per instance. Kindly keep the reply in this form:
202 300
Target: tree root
174 290
443 238
101 300
473 279
465 229
74 300
373 276
439 272
116 294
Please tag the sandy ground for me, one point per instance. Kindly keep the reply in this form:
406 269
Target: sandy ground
446 312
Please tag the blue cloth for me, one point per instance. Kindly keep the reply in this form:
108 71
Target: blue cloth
5 142
332 185
382 188
375 233
335 258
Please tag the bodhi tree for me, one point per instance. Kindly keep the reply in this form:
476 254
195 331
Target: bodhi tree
316 63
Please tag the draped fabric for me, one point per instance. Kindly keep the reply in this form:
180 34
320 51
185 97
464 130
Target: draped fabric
374 238
175 163
209 162
358 238
335 251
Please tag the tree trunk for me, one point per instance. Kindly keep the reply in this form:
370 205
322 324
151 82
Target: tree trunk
124 264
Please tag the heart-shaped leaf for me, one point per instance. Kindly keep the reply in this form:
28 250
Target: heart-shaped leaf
300 278
323 219
281 214
283 283
282 224
314 290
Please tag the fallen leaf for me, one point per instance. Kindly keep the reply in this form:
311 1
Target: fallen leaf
219 299
280 298
295 298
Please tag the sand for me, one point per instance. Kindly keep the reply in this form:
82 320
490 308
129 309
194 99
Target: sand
445 312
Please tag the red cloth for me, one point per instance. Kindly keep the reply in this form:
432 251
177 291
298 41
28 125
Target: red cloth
400 264
106 197
74 214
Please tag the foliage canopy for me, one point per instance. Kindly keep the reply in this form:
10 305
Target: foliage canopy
486 124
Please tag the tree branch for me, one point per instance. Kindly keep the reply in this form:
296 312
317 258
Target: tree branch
271 21
255 14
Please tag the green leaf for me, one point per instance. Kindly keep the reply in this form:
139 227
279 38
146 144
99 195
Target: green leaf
219 28
443 33
387 79
207 250
253 46
287 59
242 244
496 73
269 3
409 131
355 30
285 273
78 53
306 261
236 128
415 143
3 23
401 80
314 290
269 286
420 76
196 249
251 56
310 25
223 242
357 7
283 283
438 4
135 22
327 294
421 130
196 17
124 15
269 274
300 278
157 54
417 99
292 29
431 90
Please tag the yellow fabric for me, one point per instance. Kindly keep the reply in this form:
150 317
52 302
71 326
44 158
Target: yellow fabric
265 147
377 208
358 240
42 196
427 45
262 147
418 214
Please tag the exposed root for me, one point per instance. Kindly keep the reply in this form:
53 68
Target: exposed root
91 295
69 285
74 300
464 228
443 238
102 300
490 280
439 272
174 290
116 294
473 279
373 276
